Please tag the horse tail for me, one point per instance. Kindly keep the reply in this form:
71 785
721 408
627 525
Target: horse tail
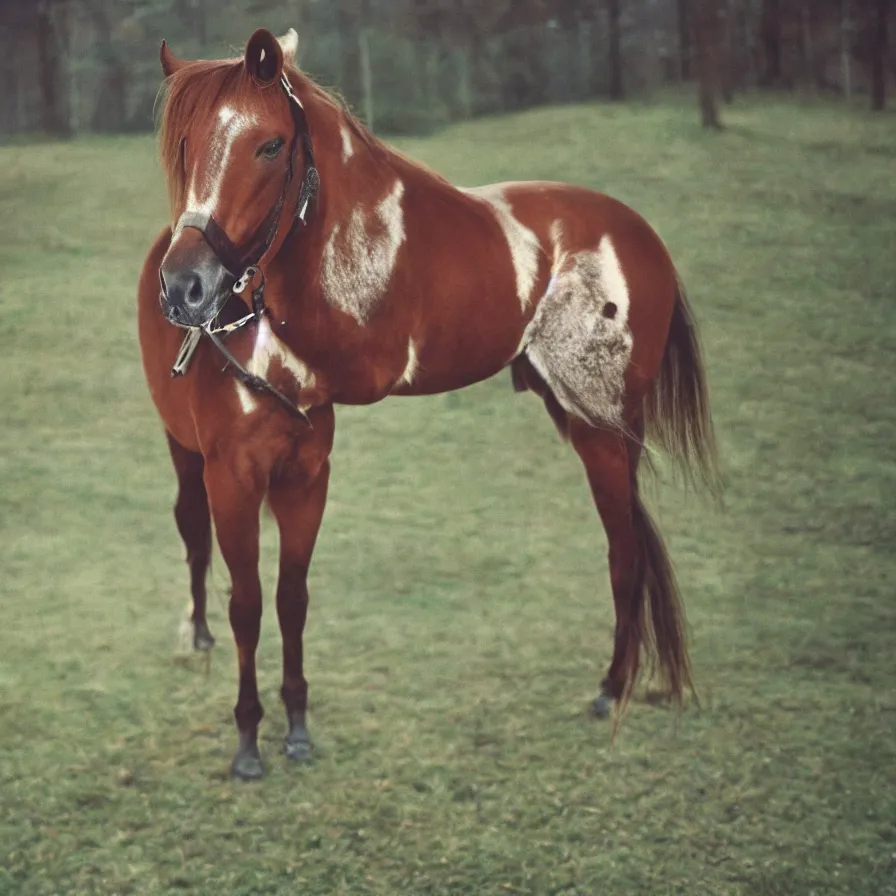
676 410
660 630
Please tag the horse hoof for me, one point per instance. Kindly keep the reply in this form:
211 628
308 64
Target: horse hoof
202 638
602 707
298 750
247 767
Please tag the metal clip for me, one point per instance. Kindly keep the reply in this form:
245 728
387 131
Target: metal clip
287 87
310 186
244 281
187 348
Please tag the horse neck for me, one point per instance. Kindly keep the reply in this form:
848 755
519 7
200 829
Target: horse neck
356 169
357 172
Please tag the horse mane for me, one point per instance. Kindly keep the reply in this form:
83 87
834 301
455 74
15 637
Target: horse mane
199 86
380 150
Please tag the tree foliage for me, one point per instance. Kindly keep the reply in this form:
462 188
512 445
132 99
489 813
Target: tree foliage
79 65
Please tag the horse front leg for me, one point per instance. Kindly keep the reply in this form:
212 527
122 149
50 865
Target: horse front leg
297 497
195 526
235 502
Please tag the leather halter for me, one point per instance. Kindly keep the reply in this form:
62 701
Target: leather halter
245 263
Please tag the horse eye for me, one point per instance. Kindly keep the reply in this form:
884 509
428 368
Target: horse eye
271 149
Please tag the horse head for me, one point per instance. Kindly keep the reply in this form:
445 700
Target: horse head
234 144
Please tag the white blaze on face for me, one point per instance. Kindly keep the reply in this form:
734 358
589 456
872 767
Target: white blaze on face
267 349
204 197
523 244
348 149
359 259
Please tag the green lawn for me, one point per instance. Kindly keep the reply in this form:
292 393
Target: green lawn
461 615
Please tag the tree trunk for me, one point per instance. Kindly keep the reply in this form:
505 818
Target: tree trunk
110 112
684 39
846 48
54 113
366 76
707 33
349 57
770 28
464 82
879 57
585 53
192 14
808 45
726 50
615 50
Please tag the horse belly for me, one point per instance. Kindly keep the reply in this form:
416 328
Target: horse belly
472 344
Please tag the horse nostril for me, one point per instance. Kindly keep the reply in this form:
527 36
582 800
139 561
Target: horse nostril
183 289
194 291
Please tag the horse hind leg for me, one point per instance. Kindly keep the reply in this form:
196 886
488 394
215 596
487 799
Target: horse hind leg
649 617
191 512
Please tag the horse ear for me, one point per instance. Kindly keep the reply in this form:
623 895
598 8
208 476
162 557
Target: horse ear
264 58
170 62
289 44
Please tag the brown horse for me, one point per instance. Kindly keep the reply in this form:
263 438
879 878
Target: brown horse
372 276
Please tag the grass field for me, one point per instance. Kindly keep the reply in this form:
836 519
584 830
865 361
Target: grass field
461 615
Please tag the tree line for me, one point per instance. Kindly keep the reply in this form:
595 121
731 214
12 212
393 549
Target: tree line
71 66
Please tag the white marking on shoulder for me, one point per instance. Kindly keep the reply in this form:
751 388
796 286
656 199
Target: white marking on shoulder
267 349
613 279
524 245
410 370
358 264
348 149
247 399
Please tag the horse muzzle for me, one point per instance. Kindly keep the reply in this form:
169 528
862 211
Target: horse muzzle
195 286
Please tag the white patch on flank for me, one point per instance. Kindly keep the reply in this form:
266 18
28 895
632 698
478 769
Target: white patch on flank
559 253
410 370
612 279
348 150
203 198
523 244
267 349
579 340
358 264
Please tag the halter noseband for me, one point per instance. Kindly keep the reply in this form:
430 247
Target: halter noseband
245 263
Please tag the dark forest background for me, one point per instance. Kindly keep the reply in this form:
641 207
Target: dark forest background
409 66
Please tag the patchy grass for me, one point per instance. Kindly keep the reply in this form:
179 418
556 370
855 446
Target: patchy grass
461 615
